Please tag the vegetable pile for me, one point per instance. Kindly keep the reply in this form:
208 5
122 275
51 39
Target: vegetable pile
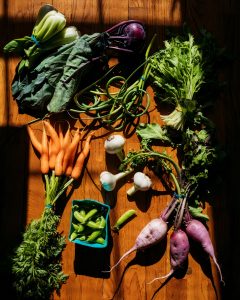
57 62
36 264
49 33
55 75
192 134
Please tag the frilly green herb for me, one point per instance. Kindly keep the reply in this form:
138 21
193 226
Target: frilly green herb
36 265
36 262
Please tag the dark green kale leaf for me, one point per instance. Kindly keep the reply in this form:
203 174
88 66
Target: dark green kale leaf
51 85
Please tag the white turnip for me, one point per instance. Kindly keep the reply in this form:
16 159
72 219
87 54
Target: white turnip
150 235
179 249
199 233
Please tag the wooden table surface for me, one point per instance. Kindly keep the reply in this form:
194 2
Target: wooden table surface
21 185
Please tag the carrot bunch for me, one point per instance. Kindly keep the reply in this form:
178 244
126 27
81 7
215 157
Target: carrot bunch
59 157
42 245
59 152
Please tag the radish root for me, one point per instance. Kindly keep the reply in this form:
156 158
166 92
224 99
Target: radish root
124 255
162 277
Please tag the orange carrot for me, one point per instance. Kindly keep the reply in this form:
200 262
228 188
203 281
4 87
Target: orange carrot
58 163
71 150
55 144
44 159
60 134
66 139
69 168
36 144
77 169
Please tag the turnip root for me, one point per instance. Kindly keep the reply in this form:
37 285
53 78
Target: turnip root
199 233
179 249
150 235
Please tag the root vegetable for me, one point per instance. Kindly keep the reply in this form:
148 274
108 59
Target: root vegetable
114 145
36 144
44 159
109 180
141 183
55 144
77 169
66 140
199 233
71 150
58 163
179 249
150 235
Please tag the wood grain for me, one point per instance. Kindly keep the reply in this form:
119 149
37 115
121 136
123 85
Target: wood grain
22 190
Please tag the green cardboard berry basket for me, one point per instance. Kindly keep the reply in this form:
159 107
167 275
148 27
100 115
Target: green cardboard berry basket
87 205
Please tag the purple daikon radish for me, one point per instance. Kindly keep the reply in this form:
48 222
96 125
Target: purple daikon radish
150 235
179 249
199 233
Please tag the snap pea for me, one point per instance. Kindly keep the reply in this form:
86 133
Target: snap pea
94 225
78 217
82 212
101 221
123 219
78 228
100 240
90 214
82 238
73 235
94 235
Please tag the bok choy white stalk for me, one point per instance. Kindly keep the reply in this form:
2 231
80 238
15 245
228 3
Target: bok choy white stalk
49 32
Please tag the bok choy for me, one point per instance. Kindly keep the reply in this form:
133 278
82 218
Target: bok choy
49 32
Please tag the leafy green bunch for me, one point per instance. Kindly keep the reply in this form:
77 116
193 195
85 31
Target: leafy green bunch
181 73
37 261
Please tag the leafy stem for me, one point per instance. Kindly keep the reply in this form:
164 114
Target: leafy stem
142 158
55 187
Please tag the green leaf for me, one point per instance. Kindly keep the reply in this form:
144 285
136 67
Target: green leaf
37 260
197 213
17 46
152 131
